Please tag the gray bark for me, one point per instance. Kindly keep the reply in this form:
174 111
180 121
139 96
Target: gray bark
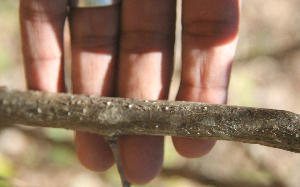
118 116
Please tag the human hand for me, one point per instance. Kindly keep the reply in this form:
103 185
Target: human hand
127 51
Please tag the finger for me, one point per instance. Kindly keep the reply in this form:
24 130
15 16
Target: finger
42 24
141 156
93 152
192 148
146 56
94 40
209 38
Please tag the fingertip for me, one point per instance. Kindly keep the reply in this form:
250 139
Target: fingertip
141 157
191 147
93 152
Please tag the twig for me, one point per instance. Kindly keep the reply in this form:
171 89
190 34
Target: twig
118 116
113 144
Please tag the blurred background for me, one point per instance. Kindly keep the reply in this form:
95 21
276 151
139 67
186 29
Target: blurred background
266 73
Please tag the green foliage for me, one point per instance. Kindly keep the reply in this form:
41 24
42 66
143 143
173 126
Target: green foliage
257 177
59 135
4 183
7 171
62 156
5 59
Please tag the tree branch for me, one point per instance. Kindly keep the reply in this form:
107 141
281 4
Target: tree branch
119 116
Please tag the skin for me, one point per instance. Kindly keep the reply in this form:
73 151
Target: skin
131 55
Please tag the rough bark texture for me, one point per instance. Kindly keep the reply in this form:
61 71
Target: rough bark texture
118 116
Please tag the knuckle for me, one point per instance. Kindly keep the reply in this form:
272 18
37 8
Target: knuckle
209 28
42 10
210 32
145 41
92 43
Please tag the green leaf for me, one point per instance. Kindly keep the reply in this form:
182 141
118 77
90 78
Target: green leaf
6 167
63 156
